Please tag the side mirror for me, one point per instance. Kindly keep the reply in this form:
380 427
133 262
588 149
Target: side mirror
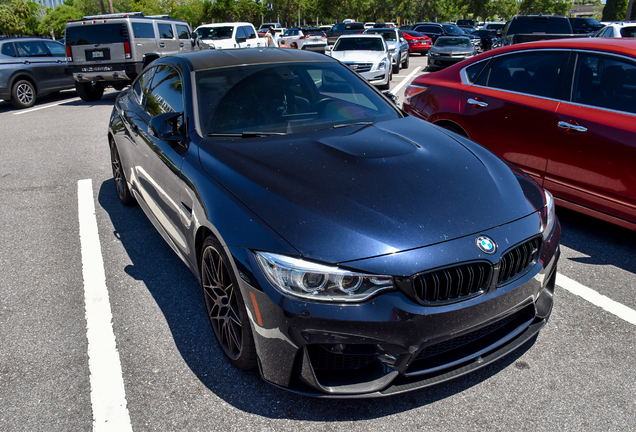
164 126
328 48
393 98
241 39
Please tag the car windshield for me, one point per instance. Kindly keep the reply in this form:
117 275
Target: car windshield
359 44
453 41
389 35
452 29
285 98
215 33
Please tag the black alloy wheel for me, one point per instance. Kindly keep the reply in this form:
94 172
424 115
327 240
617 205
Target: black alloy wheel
23 94
123 192
225 307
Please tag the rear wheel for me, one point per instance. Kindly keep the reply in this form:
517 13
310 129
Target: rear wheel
123 192
23 94
225 307
89 92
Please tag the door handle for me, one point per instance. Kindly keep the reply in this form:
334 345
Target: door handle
162 45
475 102
568 126
181 45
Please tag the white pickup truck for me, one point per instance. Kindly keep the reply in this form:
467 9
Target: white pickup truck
230 35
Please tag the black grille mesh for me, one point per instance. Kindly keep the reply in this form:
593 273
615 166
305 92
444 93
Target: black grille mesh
519 259
322 359
452 284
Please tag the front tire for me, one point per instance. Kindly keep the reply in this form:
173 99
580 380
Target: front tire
405 64
89 92
225 307
23 94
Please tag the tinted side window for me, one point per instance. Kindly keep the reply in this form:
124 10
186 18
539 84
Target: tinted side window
165 93
628 32
240 32
605 82
473 71
532 72
143 30
140 88
165 31
183 32
56 49
32 49
249 31
9 49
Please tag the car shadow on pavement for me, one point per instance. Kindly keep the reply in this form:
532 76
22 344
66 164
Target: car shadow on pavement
602 242
177 293
108 99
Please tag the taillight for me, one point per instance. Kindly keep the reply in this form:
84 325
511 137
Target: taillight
411 91
127 49
69 54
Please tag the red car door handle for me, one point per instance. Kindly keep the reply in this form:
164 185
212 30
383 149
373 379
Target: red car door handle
568 126
475 102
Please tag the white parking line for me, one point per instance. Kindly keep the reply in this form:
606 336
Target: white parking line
597 299
108 396
38 108
406 80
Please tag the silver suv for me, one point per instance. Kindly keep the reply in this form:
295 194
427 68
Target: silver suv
112 50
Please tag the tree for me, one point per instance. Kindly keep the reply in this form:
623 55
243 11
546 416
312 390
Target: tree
615 10
55 19
13 16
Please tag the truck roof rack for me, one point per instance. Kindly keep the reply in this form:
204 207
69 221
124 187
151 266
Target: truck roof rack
115 15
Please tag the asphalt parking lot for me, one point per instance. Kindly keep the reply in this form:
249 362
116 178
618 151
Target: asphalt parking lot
578 374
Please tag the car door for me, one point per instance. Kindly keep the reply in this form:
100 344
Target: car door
511 108
593 162
35 58
157 163
58 54
168 43
184 37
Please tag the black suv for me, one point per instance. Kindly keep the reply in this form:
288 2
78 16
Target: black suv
435 30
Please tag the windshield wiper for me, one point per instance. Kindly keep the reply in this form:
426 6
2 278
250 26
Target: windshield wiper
244 134
352 124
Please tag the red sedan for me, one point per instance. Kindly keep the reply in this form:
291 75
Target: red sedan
418 43
562 110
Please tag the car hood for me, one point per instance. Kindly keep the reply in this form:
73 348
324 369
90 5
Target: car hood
452 50
358 56
361 191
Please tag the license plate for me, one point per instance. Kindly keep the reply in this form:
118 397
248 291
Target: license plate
98 54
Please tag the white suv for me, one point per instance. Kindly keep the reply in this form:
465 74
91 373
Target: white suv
230 35
618 30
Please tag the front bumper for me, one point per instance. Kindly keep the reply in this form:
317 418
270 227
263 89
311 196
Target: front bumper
391 344
439 62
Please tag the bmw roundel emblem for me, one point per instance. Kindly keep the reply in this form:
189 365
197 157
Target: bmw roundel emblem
486 244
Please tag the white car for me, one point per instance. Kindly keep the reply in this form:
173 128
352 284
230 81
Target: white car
310 39
368 55
230 35
618 29
398 46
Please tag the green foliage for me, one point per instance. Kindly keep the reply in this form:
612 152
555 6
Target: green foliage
13 17
55 20
546 7
615 10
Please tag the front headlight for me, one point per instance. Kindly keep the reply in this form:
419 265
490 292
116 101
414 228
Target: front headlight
392 51
319 282
548 215
382 64
433 53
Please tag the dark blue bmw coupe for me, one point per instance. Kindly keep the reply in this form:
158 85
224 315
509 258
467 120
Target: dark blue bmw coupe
342 246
